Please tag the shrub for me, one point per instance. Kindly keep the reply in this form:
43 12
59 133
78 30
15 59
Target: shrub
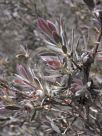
60 90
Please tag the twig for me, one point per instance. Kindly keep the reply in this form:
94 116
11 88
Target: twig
76 64
98 42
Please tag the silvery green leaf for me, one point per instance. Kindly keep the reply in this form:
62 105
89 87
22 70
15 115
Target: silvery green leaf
99 79
49 43
55 49
55 128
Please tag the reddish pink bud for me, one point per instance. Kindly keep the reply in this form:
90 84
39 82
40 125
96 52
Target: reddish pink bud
42 24
51 26
54 64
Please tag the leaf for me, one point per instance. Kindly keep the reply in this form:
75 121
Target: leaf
49 43
99 52
90 4
99 78
53 62
42 24
3 111
99 56
53 125
33 115
53 48
4 118
24 72
26 77
23 82
55 128
51 78
18 81
77 85
12 107
4 84
78 81
51 26
57 37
